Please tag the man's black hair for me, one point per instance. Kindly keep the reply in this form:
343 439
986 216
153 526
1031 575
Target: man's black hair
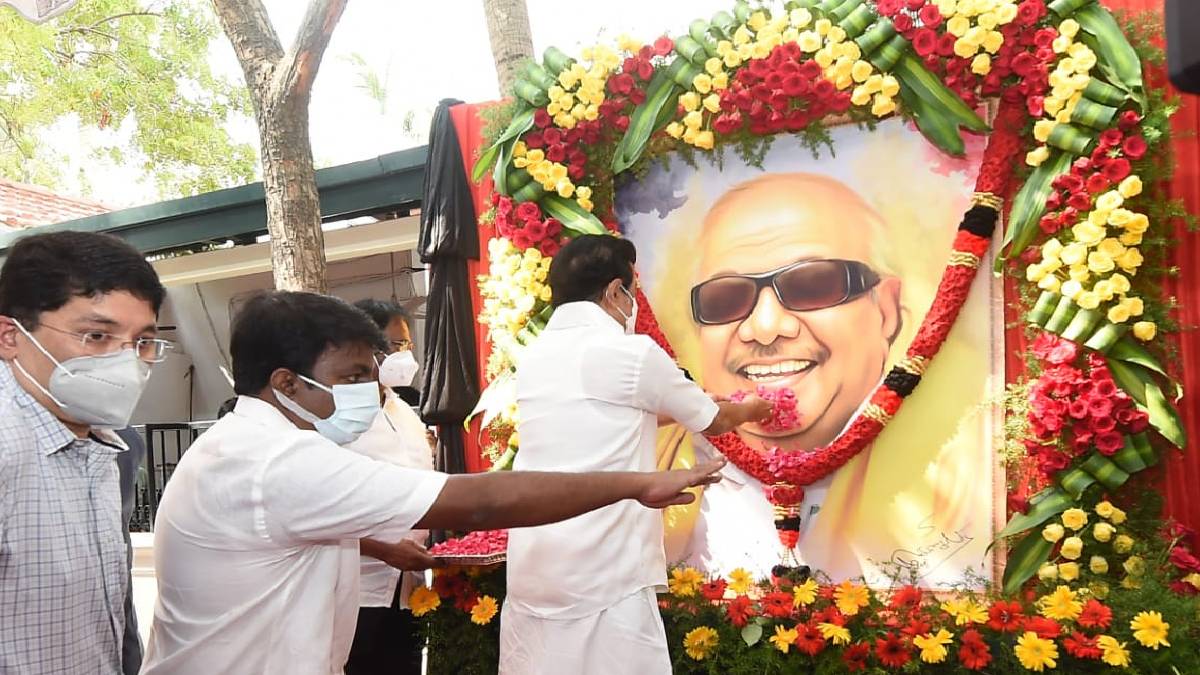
382 312
44 271
587 264
287 329
227 407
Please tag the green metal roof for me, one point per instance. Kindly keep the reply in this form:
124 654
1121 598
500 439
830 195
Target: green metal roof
386 183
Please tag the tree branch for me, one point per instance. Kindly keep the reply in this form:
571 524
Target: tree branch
299 68
114 17
254 41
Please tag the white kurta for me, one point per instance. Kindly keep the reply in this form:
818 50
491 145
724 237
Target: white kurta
398 437
256 547
589 398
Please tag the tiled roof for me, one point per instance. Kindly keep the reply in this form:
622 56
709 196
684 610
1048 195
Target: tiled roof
23 206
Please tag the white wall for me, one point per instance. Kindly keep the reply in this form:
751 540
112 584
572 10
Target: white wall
190 379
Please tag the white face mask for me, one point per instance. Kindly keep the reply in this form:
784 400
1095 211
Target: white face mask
355 407
100 391
631 320
398 369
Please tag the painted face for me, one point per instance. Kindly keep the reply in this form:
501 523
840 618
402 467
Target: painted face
824 329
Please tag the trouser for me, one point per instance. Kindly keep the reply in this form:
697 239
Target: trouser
386 641
625 638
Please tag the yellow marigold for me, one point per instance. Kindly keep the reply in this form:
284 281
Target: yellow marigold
933 646
423 600
1145 330
1113 653
1060 605
851 597
740 581
784 638
805 593
484 610
838 635
685 582
1035 653
700 642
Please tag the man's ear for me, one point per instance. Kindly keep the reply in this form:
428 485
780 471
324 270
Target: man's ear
8 338
887 295
284 381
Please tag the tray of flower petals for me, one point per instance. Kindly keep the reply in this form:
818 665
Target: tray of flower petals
477 549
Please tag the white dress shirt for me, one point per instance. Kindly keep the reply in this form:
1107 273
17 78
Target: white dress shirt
256 546
589 398
398 437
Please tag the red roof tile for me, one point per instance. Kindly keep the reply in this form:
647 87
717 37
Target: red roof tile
23 206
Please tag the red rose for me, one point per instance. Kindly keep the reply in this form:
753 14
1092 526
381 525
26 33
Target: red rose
1111 138
1080 201
663 46
541 118
1110 442
727 123
924 41
887 7
1054 201
535 230
903 22
914 5
621 83
1044 38
1182 587
1017 504
1134 147
646 52
622 122
809 70
1036 105
945 46
549 247
637 96
1184 560
930 16
823 89
1099 406
1097 183
1128 120
527 211
1068 182
1048 224
556 152
1030 12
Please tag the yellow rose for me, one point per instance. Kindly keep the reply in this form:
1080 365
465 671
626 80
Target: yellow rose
975 36
741 36
958 26
1120 285
1123 544
1035 273
1042 129
1098 565
689 135
760 50
1194 580
874 84
675 130
1118 314
1068 571
1120 217
1111 248
1048 572
1117 517
712 103
1131 238
1104 289
964 49
1105 508
1088 300
1088 233
1053 105
809 42
993 41
702 83
1145 330
1099 589
1069 28
694 119
1072 289
723 47
1050 283
1130 260
690 101
1053 532
824 57
823 26
799 18
1100 263
883 105
1073 254
1006 13
1079 273
1052 248
704 140
1036 157
860 96
1072 548
860 71
565 188
1134 566
720 81
1130 187
1103 532
1061 44
1085 62
1075 519
1109 201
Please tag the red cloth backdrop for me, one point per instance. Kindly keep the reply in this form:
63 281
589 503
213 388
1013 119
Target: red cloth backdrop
1182 471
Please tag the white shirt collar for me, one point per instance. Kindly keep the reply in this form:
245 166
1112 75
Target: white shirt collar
581 314
261 412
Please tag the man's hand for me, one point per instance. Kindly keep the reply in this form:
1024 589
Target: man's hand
757 409
405 555
667 488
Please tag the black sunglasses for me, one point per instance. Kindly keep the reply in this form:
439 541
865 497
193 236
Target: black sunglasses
800 287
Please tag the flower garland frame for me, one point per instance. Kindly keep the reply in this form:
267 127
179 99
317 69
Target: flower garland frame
1063 65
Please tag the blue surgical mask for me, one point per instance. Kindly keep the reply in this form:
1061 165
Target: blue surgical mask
355 407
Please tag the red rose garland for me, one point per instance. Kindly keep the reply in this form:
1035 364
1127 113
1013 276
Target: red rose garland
785 473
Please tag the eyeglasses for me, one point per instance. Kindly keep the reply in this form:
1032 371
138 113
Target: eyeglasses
97 343
401 345
801 287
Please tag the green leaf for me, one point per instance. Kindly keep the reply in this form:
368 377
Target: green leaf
913 74
521 122
573 216
1028 206
933 126
1139 383
661 92
751 634
1130 351
1117 58
1047 504
1024 559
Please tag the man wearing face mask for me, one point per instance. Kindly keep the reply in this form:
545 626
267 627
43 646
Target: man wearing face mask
386 639
77 340
256 540
581 593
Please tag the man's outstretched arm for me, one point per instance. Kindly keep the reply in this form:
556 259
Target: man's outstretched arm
503 499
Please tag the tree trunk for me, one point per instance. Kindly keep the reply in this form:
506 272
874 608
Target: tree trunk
280 86
512 42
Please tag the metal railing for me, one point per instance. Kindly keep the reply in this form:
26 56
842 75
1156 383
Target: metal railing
165 445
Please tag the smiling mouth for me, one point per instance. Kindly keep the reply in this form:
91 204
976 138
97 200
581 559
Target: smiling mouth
772 372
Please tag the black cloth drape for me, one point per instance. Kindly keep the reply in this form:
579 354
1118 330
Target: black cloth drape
449 237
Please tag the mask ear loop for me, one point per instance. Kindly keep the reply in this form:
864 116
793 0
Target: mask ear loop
53 360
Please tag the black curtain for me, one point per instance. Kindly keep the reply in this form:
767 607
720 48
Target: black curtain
449 237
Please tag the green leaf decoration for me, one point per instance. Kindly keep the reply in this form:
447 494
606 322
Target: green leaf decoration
662 91
1049 503
752 633
1138 381
913 74
521 122
1024 559
573 216
1028 206
1116 57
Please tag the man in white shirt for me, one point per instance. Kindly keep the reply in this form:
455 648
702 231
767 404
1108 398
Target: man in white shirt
257 535
387 640
581 593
